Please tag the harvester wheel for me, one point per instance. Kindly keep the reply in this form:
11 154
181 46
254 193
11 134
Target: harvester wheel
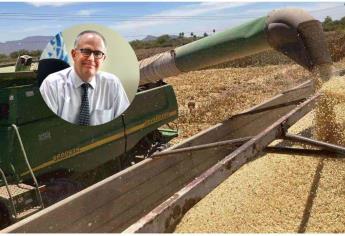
58 189
4 217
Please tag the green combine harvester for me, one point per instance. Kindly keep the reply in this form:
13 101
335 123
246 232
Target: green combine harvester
44 159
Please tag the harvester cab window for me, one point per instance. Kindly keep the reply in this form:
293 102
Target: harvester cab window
49 66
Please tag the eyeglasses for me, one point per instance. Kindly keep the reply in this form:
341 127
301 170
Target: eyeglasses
87 52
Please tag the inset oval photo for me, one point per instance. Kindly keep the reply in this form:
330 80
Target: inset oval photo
88 74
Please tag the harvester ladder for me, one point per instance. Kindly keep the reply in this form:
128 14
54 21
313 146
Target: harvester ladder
9 192
38 194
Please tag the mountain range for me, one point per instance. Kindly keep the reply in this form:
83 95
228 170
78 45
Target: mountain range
39 43
151 37
29 43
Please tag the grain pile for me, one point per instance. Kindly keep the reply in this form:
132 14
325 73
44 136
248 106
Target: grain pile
275 193
211 96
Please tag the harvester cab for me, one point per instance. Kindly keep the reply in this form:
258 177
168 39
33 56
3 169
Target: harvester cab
23 63
40 149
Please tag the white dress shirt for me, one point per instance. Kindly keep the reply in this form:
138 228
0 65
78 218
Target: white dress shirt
62 93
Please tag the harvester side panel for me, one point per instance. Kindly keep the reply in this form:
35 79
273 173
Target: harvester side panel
60 146
66 144
27 105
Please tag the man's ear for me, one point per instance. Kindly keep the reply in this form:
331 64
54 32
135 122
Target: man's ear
103 59
73 53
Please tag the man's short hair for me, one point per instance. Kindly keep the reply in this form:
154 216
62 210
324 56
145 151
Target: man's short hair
76 41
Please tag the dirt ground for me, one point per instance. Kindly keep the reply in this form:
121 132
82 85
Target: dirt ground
275 193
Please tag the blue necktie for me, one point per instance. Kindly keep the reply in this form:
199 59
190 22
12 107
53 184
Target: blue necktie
84 115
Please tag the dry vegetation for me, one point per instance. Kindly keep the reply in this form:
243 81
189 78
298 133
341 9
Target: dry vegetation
144 53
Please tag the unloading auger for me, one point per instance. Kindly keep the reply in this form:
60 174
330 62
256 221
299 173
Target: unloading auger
293 32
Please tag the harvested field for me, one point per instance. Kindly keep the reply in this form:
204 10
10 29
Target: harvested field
274 193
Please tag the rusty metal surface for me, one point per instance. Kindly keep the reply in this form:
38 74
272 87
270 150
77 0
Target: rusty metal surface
229 143
324 145
302 151
166 216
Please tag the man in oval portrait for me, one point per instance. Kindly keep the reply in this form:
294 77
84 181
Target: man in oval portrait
82 94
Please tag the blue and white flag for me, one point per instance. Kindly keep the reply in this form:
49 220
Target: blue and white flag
56 48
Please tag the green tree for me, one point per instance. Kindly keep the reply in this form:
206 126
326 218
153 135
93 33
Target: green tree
3 56
342 21
333 25
328 24
162 40
16 54
35 53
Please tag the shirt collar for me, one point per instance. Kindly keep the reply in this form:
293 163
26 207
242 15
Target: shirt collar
77 82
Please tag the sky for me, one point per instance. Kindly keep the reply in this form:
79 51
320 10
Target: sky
136 20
